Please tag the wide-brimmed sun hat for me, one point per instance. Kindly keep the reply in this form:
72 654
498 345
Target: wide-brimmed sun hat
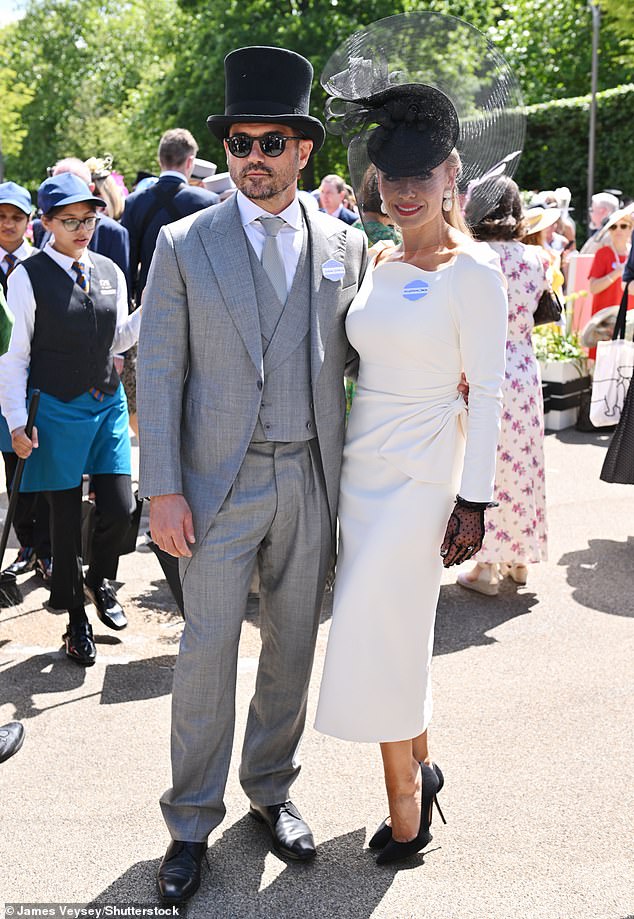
536 219
625 214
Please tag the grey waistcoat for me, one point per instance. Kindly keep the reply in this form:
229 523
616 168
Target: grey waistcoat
286 411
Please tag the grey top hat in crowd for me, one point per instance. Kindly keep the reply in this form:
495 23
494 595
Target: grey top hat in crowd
272 85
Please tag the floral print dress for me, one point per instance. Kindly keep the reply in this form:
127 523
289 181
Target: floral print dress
516 531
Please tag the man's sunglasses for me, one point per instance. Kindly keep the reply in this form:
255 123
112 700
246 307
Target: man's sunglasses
270 144
621 226
73 223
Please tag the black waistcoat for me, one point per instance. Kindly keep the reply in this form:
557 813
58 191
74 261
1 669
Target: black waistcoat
74 330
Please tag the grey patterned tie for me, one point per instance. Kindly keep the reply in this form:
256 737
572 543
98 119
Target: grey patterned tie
271 257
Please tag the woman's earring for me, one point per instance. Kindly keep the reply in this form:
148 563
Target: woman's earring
383 211
447 199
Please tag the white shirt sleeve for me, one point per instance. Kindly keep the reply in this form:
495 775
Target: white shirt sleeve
128 324
14 365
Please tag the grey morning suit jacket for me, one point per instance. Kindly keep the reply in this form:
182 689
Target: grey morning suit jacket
200 366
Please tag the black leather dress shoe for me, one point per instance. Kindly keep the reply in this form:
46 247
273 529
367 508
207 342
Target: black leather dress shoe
11 739
179 872
109 610
292 836
25 560
79 643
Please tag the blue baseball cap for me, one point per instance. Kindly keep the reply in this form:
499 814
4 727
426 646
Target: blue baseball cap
19 197
63 189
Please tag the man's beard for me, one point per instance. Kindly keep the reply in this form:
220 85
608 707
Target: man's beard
263 188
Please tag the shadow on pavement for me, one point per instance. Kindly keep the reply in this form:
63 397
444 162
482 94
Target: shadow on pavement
465 617
36 676
49 673
342 874
159 598
137 680
601 575
598 438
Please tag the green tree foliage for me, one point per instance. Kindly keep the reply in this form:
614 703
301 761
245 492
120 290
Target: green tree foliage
549 45
15 94
86 77
556 151
313 28
90 67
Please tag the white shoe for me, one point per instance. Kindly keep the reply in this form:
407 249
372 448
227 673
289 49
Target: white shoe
485 583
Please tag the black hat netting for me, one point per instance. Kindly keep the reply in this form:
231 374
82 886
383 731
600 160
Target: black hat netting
458 72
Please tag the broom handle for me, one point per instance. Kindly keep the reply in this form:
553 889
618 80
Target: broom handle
17 478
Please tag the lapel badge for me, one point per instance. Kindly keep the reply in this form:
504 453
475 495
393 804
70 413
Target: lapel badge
333 270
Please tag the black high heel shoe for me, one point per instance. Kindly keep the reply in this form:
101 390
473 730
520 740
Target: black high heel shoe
384 831
397 851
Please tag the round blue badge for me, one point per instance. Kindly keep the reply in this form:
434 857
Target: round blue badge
415 290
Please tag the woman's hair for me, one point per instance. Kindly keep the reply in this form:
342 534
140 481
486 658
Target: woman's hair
107 188
454 216
369 196
504 221
534 239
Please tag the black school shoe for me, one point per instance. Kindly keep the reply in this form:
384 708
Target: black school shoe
109 610
25 560
79 643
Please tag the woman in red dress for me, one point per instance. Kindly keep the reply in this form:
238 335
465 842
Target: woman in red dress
606 272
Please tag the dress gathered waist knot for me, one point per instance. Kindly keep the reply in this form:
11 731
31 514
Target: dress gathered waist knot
423 426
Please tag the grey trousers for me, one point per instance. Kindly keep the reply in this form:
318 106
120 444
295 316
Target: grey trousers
276 516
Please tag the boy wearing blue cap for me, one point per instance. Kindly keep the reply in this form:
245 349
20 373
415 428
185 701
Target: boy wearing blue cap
31 515
71 315
15 211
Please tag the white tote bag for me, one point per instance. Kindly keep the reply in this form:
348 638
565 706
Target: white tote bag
612 375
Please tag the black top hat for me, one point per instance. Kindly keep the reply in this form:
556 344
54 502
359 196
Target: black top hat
268 85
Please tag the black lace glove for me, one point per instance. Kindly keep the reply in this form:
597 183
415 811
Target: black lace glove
465 531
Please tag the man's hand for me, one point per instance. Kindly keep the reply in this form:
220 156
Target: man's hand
171 524
23 445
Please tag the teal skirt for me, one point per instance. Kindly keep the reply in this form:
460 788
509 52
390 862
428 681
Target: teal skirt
77 437
6 445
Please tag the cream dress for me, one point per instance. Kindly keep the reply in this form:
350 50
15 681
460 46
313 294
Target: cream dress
408 434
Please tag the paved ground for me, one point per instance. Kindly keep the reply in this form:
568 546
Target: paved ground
532 726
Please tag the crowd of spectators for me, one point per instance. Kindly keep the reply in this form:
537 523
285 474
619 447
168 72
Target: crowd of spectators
129 223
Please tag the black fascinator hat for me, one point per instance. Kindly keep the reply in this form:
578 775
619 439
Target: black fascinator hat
417 129
407 89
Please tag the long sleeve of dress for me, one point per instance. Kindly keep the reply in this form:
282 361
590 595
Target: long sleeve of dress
481 311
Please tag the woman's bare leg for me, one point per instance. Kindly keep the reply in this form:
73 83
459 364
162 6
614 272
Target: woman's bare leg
403 785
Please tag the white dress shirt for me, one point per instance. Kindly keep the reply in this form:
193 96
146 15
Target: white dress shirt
289 239
23 251
175 173
14 365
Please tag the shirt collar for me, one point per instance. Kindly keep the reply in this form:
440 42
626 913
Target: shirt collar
65 261
174 173
23 251
250 211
